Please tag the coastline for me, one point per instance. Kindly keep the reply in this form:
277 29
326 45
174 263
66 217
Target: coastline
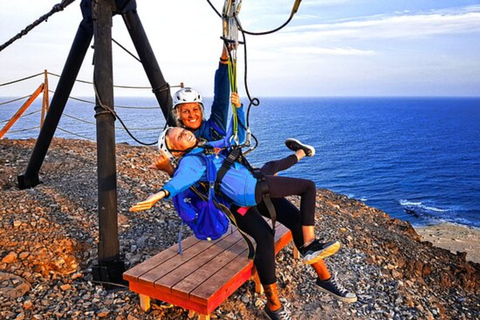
453 237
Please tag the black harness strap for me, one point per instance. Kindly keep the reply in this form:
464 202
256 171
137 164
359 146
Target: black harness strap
227 163
228 213
236 155
265 190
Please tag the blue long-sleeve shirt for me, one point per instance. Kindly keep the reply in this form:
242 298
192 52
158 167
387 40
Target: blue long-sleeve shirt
238 184
216 126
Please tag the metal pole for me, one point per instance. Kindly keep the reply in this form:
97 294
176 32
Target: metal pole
160 87
110 266
65 84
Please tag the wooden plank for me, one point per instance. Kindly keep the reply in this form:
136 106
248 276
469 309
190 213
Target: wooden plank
194 280
282 237
219 285
206 259
134 273
214 294
168 297
156 273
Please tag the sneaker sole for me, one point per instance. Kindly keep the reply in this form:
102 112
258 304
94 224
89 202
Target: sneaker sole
340 298
319 255
266 314
289 142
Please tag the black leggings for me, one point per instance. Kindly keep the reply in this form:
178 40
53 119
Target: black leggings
287 214
280 187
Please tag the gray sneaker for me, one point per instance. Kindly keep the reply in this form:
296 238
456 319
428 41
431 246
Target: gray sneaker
280 314
332 287
318 250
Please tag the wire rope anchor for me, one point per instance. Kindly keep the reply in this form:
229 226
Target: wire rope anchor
231 9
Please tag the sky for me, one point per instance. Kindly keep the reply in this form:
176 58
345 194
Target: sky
330 48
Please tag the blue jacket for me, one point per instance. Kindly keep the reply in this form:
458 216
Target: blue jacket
216 126
238 184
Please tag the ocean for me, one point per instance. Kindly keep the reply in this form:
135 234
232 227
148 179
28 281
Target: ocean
418 159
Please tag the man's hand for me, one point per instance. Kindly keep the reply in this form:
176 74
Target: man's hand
162 163
143 205
147 204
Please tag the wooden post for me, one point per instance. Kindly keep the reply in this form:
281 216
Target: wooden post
45 104
144 302
20 111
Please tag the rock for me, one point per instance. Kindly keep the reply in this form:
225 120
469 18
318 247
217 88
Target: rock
23 255
76 275
103 313
27 304
9 258
12 286
65 287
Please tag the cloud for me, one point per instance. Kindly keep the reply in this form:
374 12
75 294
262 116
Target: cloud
404 25
328 51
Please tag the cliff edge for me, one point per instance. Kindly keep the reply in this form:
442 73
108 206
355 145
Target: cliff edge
49 238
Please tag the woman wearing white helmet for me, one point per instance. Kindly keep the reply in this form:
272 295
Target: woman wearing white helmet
188 110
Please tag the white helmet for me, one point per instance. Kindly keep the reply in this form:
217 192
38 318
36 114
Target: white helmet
187 95
162 146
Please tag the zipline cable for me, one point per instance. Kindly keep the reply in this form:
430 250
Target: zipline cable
56 8
22 79
115 115
23 130
134 56
295 7
75 134
117 106
14 100
116 127
115 86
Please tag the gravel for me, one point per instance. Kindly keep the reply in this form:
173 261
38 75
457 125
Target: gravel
49 238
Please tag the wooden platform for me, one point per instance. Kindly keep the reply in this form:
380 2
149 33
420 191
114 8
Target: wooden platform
203 276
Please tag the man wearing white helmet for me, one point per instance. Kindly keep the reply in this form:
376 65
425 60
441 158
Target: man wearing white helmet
240 186
188 110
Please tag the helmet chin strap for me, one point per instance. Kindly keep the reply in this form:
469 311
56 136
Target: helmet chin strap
185 150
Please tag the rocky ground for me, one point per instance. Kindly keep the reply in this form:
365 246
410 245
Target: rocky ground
49 237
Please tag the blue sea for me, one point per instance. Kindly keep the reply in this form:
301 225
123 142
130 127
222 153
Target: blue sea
418 159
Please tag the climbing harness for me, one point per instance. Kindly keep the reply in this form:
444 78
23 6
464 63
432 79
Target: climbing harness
231 9
236 155
231 27
205 210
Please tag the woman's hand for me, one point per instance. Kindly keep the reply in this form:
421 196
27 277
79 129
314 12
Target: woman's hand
147 204
235 99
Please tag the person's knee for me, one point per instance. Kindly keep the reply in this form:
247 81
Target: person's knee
268 168
311 185
265 237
